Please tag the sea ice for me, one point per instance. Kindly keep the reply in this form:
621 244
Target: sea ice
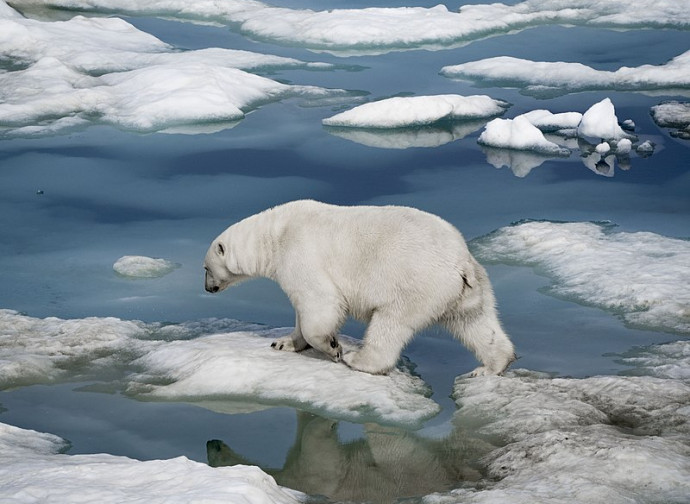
519 134
32 470
243 365
673 114
537 77
143 267
600 439
592 263
600 122
236 364
68 74
377 30
403 112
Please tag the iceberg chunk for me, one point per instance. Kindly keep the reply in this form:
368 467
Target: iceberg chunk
519 134
673 114
600 121
405 112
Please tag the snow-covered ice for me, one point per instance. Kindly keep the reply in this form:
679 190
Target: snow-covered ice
673 114
600 439
558 77
243 365
522 144
600 122
519 134
641 276
68 74
143 267
403 112
380 29
33 470
197 365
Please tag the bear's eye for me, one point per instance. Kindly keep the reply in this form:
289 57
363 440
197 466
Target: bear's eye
221 249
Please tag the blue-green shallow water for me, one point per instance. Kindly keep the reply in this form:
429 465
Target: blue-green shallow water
71 205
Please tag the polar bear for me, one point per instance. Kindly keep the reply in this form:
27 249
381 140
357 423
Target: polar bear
398 269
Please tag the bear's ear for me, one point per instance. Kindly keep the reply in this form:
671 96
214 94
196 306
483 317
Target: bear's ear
220 249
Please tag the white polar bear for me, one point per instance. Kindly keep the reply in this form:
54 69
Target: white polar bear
396 268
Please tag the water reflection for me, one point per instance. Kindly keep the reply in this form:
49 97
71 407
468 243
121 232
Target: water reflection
384 465
434 135
600 161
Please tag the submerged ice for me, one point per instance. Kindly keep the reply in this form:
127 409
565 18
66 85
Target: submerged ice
143 267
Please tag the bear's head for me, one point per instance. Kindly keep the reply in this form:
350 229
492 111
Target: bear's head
222 270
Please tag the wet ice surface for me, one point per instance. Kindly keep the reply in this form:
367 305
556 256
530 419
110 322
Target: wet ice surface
145 387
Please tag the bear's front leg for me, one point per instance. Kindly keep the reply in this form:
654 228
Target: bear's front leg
293 342
319 328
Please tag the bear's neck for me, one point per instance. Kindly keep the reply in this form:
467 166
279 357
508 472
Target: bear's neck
254 242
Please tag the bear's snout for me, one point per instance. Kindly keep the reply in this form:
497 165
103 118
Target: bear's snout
210 285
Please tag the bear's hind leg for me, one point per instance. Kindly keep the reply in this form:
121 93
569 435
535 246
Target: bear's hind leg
383 343
485 337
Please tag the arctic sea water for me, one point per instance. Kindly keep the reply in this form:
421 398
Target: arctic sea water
587 252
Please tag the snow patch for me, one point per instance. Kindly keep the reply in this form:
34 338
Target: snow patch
641 276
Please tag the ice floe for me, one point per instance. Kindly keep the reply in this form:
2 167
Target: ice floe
33 470
641 276
600 439
404 112
553 78
525 142
190 362
673 114
69 74
242 365
143 267
519 134
668 360
378 30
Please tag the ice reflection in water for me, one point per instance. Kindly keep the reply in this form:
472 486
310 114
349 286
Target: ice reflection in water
386 464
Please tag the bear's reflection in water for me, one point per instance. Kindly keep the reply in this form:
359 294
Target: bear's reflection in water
387 464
